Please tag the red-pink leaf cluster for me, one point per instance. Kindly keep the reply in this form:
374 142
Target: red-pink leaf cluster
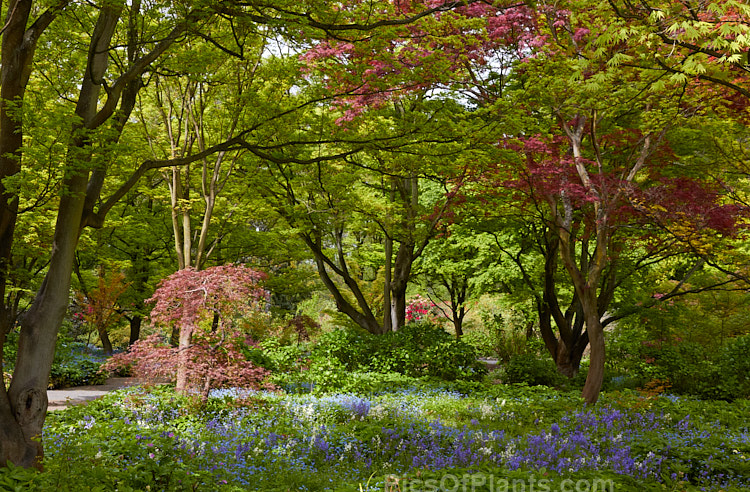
213 358
549 171
421 309
422 55
189 296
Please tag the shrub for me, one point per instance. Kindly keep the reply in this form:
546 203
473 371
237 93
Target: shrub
419 310
728 376
80 372
532 370
481 341
76 364
418 349
213 362
354 348
279 358
688 368
506 332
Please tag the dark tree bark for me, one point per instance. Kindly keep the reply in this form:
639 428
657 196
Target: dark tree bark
135 328
23 407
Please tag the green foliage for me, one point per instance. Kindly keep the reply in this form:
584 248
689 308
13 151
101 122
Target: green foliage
353 347
533 370
156 440
417 350
497 327
17 479
688 368
78 372
76 364
154 462
327 375
271 355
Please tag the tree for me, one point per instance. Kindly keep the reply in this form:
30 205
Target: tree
363 216
100 306
458 267
189 298
601 169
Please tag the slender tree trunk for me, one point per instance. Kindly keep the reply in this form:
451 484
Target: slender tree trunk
174 337
400 282
104 339
458 322
135 328
388 319
183 357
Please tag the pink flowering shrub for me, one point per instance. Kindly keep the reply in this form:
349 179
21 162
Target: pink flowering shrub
421 309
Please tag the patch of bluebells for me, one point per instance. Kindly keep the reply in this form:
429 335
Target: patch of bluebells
350 436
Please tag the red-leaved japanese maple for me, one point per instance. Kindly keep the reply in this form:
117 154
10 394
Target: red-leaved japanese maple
203 305
597 167
213 360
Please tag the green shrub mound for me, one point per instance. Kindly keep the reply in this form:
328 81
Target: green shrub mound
689 369
348 358
533 370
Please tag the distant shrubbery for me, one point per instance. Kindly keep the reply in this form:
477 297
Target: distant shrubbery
532 369
688 368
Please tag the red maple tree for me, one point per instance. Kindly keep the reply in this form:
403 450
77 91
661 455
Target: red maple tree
203 304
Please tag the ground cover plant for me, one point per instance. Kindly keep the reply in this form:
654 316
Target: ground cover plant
420 438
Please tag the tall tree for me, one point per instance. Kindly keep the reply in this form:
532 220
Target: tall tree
601 167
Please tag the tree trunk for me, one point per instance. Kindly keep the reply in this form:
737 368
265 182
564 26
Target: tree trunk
24 409
174 337
400 282
595 378
16 443
135 328
364 318
27 394
183 358
104 339
458 322
567 361
388 319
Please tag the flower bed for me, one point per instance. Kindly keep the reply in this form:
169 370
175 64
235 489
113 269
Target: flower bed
412 439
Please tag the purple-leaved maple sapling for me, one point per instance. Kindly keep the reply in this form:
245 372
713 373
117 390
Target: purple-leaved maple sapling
100 306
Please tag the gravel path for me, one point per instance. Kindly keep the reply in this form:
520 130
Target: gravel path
63 398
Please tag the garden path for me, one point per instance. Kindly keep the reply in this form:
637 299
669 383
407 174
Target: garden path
62 398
